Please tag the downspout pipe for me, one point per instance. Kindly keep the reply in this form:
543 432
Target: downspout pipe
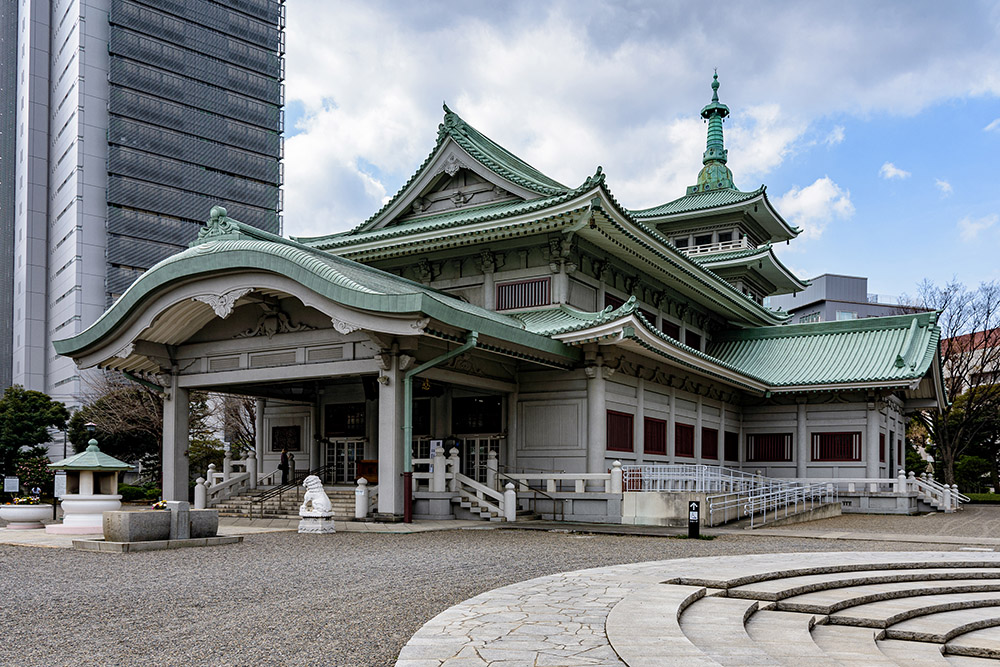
470 342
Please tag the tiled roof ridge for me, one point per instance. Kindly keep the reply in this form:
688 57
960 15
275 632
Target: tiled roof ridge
654 211
583 318
923 319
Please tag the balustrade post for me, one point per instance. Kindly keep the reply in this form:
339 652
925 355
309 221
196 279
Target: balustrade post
453 465
510 503
616 477
227 465
954 496
361 500
251 461
850 487
901 482
291 467
440 470
946 500
911 482
210 475
200 494
491 469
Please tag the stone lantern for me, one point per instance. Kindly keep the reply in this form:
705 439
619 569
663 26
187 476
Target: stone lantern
91 490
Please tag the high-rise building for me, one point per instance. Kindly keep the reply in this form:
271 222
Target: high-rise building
8 105
133 118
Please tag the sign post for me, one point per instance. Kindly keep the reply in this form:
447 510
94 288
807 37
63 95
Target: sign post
694 519
58 490
11 485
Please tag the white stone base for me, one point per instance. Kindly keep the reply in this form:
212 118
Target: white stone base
317 525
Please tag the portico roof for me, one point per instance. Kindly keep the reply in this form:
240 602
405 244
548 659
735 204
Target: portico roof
227 246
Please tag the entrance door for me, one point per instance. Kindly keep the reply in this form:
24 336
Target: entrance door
474 452
342 458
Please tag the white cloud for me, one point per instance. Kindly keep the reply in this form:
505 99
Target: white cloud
890 171
815 206
993 127
969 228
570 85
835 136
944 187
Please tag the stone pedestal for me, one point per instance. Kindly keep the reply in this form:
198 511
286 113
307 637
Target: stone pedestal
316 523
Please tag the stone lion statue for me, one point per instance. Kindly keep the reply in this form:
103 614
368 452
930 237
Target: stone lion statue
315 502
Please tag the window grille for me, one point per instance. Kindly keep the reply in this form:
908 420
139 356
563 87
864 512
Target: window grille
684 440
523 294
619 431
709 443
732 445
654 436
769 447
836 446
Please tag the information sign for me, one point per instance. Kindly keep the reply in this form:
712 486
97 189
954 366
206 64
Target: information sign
11 485
59 484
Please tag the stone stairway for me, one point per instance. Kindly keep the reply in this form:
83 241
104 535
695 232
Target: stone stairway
876 616
287 506
472 504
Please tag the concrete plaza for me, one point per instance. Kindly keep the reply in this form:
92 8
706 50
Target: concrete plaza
352 598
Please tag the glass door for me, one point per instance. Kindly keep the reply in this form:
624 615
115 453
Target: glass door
342 458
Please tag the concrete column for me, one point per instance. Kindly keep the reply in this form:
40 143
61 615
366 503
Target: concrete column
640 420
489 291
597 418
699 453
312 429
175 442
672 407
513 436
801 440
870 446
261 404
390 440
252 468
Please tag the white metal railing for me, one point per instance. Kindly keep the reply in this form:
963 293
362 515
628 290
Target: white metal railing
723 246
688 477
941 496
785 501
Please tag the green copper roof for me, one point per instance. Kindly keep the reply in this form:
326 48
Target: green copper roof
228 245
879 349
563 319
713 257
699 201
91 459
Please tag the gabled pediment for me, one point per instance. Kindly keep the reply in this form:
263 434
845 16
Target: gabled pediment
466 169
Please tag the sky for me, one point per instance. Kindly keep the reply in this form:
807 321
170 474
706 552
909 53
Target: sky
874 125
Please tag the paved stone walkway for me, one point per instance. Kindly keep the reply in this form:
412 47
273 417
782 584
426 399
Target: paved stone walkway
706 611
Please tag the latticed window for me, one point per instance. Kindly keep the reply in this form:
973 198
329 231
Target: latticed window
769 447
655 436
619 431
684 440
710 443
523 294
732 444
836 446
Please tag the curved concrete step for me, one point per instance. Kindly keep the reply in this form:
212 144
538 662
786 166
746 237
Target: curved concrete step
912 654
834 600
889 612
984 643
850 646
779 588
786 637
717 627
644 630
941 627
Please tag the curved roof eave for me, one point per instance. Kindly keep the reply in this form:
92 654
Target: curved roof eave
767 251
304 267
751 310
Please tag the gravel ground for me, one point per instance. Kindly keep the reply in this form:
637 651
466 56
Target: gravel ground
971 521
289 599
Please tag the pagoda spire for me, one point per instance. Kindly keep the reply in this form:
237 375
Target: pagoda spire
714 174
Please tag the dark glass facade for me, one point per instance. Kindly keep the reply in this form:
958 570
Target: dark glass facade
8 168
195 119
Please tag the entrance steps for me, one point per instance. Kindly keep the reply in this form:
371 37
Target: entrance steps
923 613
287 505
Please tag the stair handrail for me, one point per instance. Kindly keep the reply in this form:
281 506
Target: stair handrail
480 490
259 498
556 503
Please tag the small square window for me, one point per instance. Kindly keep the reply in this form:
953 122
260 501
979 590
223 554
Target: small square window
704 239
681 242
725 237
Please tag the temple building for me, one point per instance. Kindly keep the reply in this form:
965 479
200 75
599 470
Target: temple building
514 318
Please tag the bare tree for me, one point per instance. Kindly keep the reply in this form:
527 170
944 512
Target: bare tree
236 419
970 356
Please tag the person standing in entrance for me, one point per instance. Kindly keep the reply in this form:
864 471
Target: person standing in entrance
283 466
